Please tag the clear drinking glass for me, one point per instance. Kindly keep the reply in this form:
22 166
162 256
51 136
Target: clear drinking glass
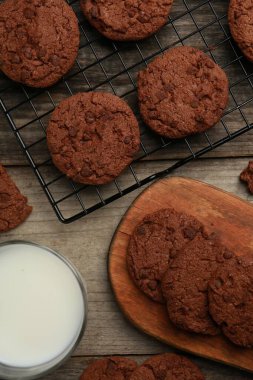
35 372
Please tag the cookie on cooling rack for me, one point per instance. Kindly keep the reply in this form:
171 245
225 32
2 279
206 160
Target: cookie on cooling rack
93 137
167 367
185 284
13 205
112 368
247 176
182 92
39 40
122 20
240 18
231 299
156 238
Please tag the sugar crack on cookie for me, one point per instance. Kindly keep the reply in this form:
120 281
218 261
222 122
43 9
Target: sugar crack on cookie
231 299
93 137
185 284
127 20
240 17
167 367
39 40
154 241
182 92
112 368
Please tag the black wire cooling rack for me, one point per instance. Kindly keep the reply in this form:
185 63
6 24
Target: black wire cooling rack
107 66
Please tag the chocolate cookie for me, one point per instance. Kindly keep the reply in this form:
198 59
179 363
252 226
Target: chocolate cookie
240 18
151 245
127 20
39 40
182 92
231 299
114 368
247 176
167 367
13 205
92 137
185 284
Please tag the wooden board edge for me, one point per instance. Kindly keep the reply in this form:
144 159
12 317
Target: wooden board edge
128 316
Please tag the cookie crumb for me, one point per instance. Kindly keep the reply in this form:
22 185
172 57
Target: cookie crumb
247 176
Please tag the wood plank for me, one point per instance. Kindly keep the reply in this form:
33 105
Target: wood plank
221 213
214 36
74 367
11 153
86 244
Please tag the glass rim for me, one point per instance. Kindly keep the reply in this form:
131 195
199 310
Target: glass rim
82 285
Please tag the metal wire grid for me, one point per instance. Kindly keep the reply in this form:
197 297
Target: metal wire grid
109 66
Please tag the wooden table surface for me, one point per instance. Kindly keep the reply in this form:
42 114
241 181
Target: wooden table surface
86 243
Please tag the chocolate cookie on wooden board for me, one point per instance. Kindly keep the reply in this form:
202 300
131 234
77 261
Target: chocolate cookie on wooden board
93 137
39 40
156 238
127 20
247 176
112 368
167 367
240 18
185 284
231 299
13 205
182 92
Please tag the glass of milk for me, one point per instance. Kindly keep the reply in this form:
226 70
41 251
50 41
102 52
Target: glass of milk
43 310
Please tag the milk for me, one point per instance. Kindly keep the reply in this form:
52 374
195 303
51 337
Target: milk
41 306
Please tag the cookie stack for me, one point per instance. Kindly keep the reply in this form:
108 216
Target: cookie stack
206 288
158 367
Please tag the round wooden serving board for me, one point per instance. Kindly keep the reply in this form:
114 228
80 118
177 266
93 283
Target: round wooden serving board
228 216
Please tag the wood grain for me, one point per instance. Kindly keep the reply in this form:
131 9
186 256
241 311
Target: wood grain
86 243
183 28
229 217
75 366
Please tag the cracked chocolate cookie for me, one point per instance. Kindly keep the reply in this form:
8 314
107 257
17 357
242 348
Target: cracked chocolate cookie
93 137
182 92
113 368
185 284
127 20
231 299
13 205
240 18
167 367
39 40
153 242
247 176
